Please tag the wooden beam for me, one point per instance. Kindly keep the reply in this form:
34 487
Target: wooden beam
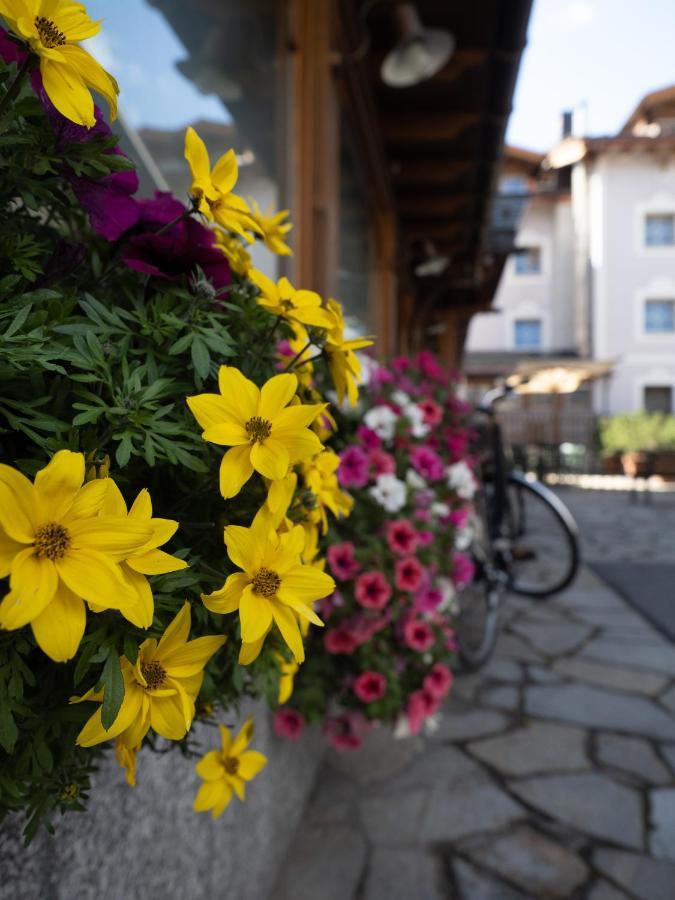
430 171
433 205
426 128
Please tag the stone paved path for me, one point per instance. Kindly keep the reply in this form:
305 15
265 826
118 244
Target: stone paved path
552 773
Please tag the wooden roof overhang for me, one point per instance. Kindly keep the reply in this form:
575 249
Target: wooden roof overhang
440 142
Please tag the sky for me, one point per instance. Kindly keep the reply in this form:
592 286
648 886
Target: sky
599 57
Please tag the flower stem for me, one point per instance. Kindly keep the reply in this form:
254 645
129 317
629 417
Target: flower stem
181 218
16 85
297 356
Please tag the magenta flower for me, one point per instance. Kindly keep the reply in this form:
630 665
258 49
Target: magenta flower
427 463
345 731
373 590
429 367
408 574
433 413
439 681
401 364
370 686
382 463
421 705
425 538
288 723
342 561
369 438
353 470
456 443
459 517
402 537
463 570
418 635
428 599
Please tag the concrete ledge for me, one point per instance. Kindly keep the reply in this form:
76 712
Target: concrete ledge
146 842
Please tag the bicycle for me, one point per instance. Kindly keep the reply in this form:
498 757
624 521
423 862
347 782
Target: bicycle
525 541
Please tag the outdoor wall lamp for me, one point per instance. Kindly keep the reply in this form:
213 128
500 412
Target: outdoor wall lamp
434 263
419 52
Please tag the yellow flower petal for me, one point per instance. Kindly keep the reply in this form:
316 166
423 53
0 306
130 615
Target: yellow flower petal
117 538
141 508
177 631
250 764
276 394
226 600
167 717
225 172
229 434
210 766
210 410
300 443
93 74
306 583
255 613
94 732
270 458
300 416
243 739
60 626
68 92
248 653
235 470
33 583
9 548
92 576
156 562
89 501
198 157
137 604
290 632
192 657
240 394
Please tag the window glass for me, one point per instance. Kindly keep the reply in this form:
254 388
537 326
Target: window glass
353 280
513 184
216 67
660 230
527 261
659 316
527 334
658 399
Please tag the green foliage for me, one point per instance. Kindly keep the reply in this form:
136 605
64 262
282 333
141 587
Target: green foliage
633 432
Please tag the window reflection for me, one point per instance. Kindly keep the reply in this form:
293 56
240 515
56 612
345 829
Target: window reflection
354 240
212 64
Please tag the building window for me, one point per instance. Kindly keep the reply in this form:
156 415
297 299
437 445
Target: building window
659 316
658 399
527 334
513 184
660 230
527 261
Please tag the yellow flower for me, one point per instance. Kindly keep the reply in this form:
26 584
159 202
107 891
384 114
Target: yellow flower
287 673
137 604
344 365
237 255
282 299
264 433
321 479
273 586
213 189
159 690
274 510
273 228
226 771
52 29
57 550
126 758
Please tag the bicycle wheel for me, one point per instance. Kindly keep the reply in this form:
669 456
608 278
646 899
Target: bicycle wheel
477 620
543 555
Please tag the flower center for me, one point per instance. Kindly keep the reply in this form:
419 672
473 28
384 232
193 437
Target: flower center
258 429
154 674
51 541
49 33
231 765
266 582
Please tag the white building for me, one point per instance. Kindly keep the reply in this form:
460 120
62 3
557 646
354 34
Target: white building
593 275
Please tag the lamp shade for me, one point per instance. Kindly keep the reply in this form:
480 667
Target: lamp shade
419 53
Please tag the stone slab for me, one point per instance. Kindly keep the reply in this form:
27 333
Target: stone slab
472 806
595 708
380 756
325 862
632 680
542 675
662 818
510 646
503 670
531 861
539 747
603 890
590 803
474 723
657 655
632 755
393 817
648 879
668 750
552 638
439 767
668 699
475 885
401 874
503 696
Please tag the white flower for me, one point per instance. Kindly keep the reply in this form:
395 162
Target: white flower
432 723
402 728
390 492
418 427
461 480
400 398
463 538
415 480
439 509
382 420
448 593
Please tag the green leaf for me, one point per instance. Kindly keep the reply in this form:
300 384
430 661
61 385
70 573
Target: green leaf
201 358
130 648
8 730
113 687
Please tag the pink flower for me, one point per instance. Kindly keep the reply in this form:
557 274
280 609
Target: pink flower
383 463
425 538
370 686
428 600
433 413
340 640
418 635
345 731
456 442
427 463
401 364
353 468
421 704
430 368
364 628
402 536
288 723
463 570
373 590
459 517
342 561
369 438
409 573
423 515
439 681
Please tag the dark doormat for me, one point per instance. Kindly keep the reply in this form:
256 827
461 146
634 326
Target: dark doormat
648 587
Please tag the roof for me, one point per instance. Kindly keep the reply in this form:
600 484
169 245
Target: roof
573 150
648 108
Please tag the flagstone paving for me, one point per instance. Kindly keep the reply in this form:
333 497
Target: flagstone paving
551 773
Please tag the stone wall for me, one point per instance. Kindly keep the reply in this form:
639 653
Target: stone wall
147 843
